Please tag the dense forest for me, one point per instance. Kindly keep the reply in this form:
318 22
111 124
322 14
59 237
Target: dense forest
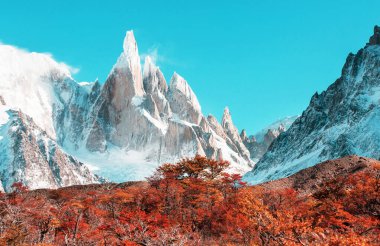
194 202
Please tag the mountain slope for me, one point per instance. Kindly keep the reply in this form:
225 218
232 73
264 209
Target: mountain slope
259 143
286 122
139 121
121 130
30 156
312 179
342 120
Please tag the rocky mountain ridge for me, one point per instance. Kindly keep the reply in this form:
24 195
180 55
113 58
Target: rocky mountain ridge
30 156
341 121
121 130
259 143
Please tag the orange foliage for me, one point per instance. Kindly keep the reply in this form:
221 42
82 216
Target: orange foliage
194 202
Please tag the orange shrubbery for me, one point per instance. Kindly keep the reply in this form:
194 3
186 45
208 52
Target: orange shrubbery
193 202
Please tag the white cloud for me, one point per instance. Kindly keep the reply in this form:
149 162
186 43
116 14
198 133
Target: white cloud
153 54
73 70
34 60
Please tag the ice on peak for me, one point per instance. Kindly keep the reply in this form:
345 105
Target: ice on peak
35 74
182 99
176 75
176 80
178 83
153 79
19 62
226 111
130 56
149 67
130 44
148 60
130 60
226 119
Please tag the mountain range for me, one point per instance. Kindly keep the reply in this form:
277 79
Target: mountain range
55 131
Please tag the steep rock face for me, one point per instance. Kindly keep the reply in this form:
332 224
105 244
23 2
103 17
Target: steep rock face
375 38
162 123
183 101
122 130
258 149
285 122
29 156
340 121
216 127
46 92
30 76
48 101
272 134
118 116
155 85
259 143
71 110
233 134
128 66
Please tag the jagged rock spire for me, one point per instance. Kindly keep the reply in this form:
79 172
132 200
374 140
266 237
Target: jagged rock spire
233 133
129 64
243 135
183 101
375 38
153 79
130 44
226 117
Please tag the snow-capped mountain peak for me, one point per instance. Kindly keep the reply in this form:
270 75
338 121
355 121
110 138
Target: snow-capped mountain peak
153 79
130 44
35 74
226 119
163 124
128 65
149 67
342 120
122 130
183 100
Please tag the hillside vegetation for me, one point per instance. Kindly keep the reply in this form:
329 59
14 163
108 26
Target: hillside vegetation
194 202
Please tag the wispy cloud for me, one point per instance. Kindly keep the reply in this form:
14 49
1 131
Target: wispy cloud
45 60
153 54
159 59
73 70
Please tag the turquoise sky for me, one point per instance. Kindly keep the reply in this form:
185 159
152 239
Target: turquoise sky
264 59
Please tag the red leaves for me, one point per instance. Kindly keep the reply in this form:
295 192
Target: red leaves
19 187
194 202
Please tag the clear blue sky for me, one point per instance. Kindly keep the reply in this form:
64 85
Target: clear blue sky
264 59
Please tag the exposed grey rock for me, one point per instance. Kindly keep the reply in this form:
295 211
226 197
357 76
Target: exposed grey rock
258 149
183 101
375 38
31 157
216 127
165 123
343 120
232 132
135 121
